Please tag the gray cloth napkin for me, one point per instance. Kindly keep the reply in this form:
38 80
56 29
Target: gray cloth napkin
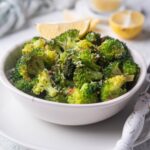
14 14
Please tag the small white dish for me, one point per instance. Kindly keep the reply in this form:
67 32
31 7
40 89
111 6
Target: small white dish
21 128
84 7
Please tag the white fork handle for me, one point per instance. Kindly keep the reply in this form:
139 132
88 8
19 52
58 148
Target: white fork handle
134 124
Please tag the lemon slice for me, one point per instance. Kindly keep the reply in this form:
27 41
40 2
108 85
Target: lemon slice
51 30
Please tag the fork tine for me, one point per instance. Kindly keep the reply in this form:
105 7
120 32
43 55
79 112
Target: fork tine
148 69
148 89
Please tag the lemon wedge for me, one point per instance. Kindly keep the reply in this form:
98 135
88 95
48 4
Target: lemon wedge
127 24
93 23
51 30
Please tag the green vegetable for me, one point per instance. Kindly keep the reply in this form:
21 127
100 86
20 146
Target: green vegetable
25 85
112 49
44 84
113 87
83 45
88 59
75 70
68 39
112 69
85 75
93 38
35 65
39 43
68 69
22 67
130 68
86 95
60 97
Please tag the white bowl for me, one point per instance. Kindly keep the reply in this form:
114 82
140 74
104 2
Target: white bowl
68 114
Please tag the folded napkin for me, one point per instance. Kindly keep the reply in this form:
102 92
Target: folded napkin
14 14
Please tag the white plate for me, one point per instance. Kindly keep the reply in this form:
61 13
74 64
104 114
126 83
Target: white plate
18 126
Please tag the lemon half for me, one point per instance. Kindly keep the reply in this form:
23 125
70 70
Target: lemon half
127 24
51 30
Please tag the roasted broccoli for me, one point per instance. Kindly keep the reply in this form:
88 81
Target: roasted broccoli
50 57
35 43
74 69
112 49
22 67
130 68
112 69
93 38
44 83
113 87
25 85
68 69
60 97
38 47
85 75
88 59
68 39
86 95
83 45
39 43
35 65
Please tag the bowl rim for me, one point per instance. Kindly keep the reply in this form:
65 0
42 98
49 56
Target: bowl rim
4 80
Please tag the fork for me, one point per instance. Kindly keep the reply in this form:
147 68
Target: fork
135 122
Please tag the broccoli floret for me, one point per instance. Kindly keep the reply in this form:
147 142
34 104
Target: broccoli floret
112 49
112 69
63 57
35 43
35 65
38 47
93 38
14 75
39 43
60 97
50 56
106 38
44 83
85 75
130 68
57 75
54 46
86 95
68 69
22 67
27 49
88 59
83 45
24 85
68 39
60 76
29 65
35 38
75 97
113 87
